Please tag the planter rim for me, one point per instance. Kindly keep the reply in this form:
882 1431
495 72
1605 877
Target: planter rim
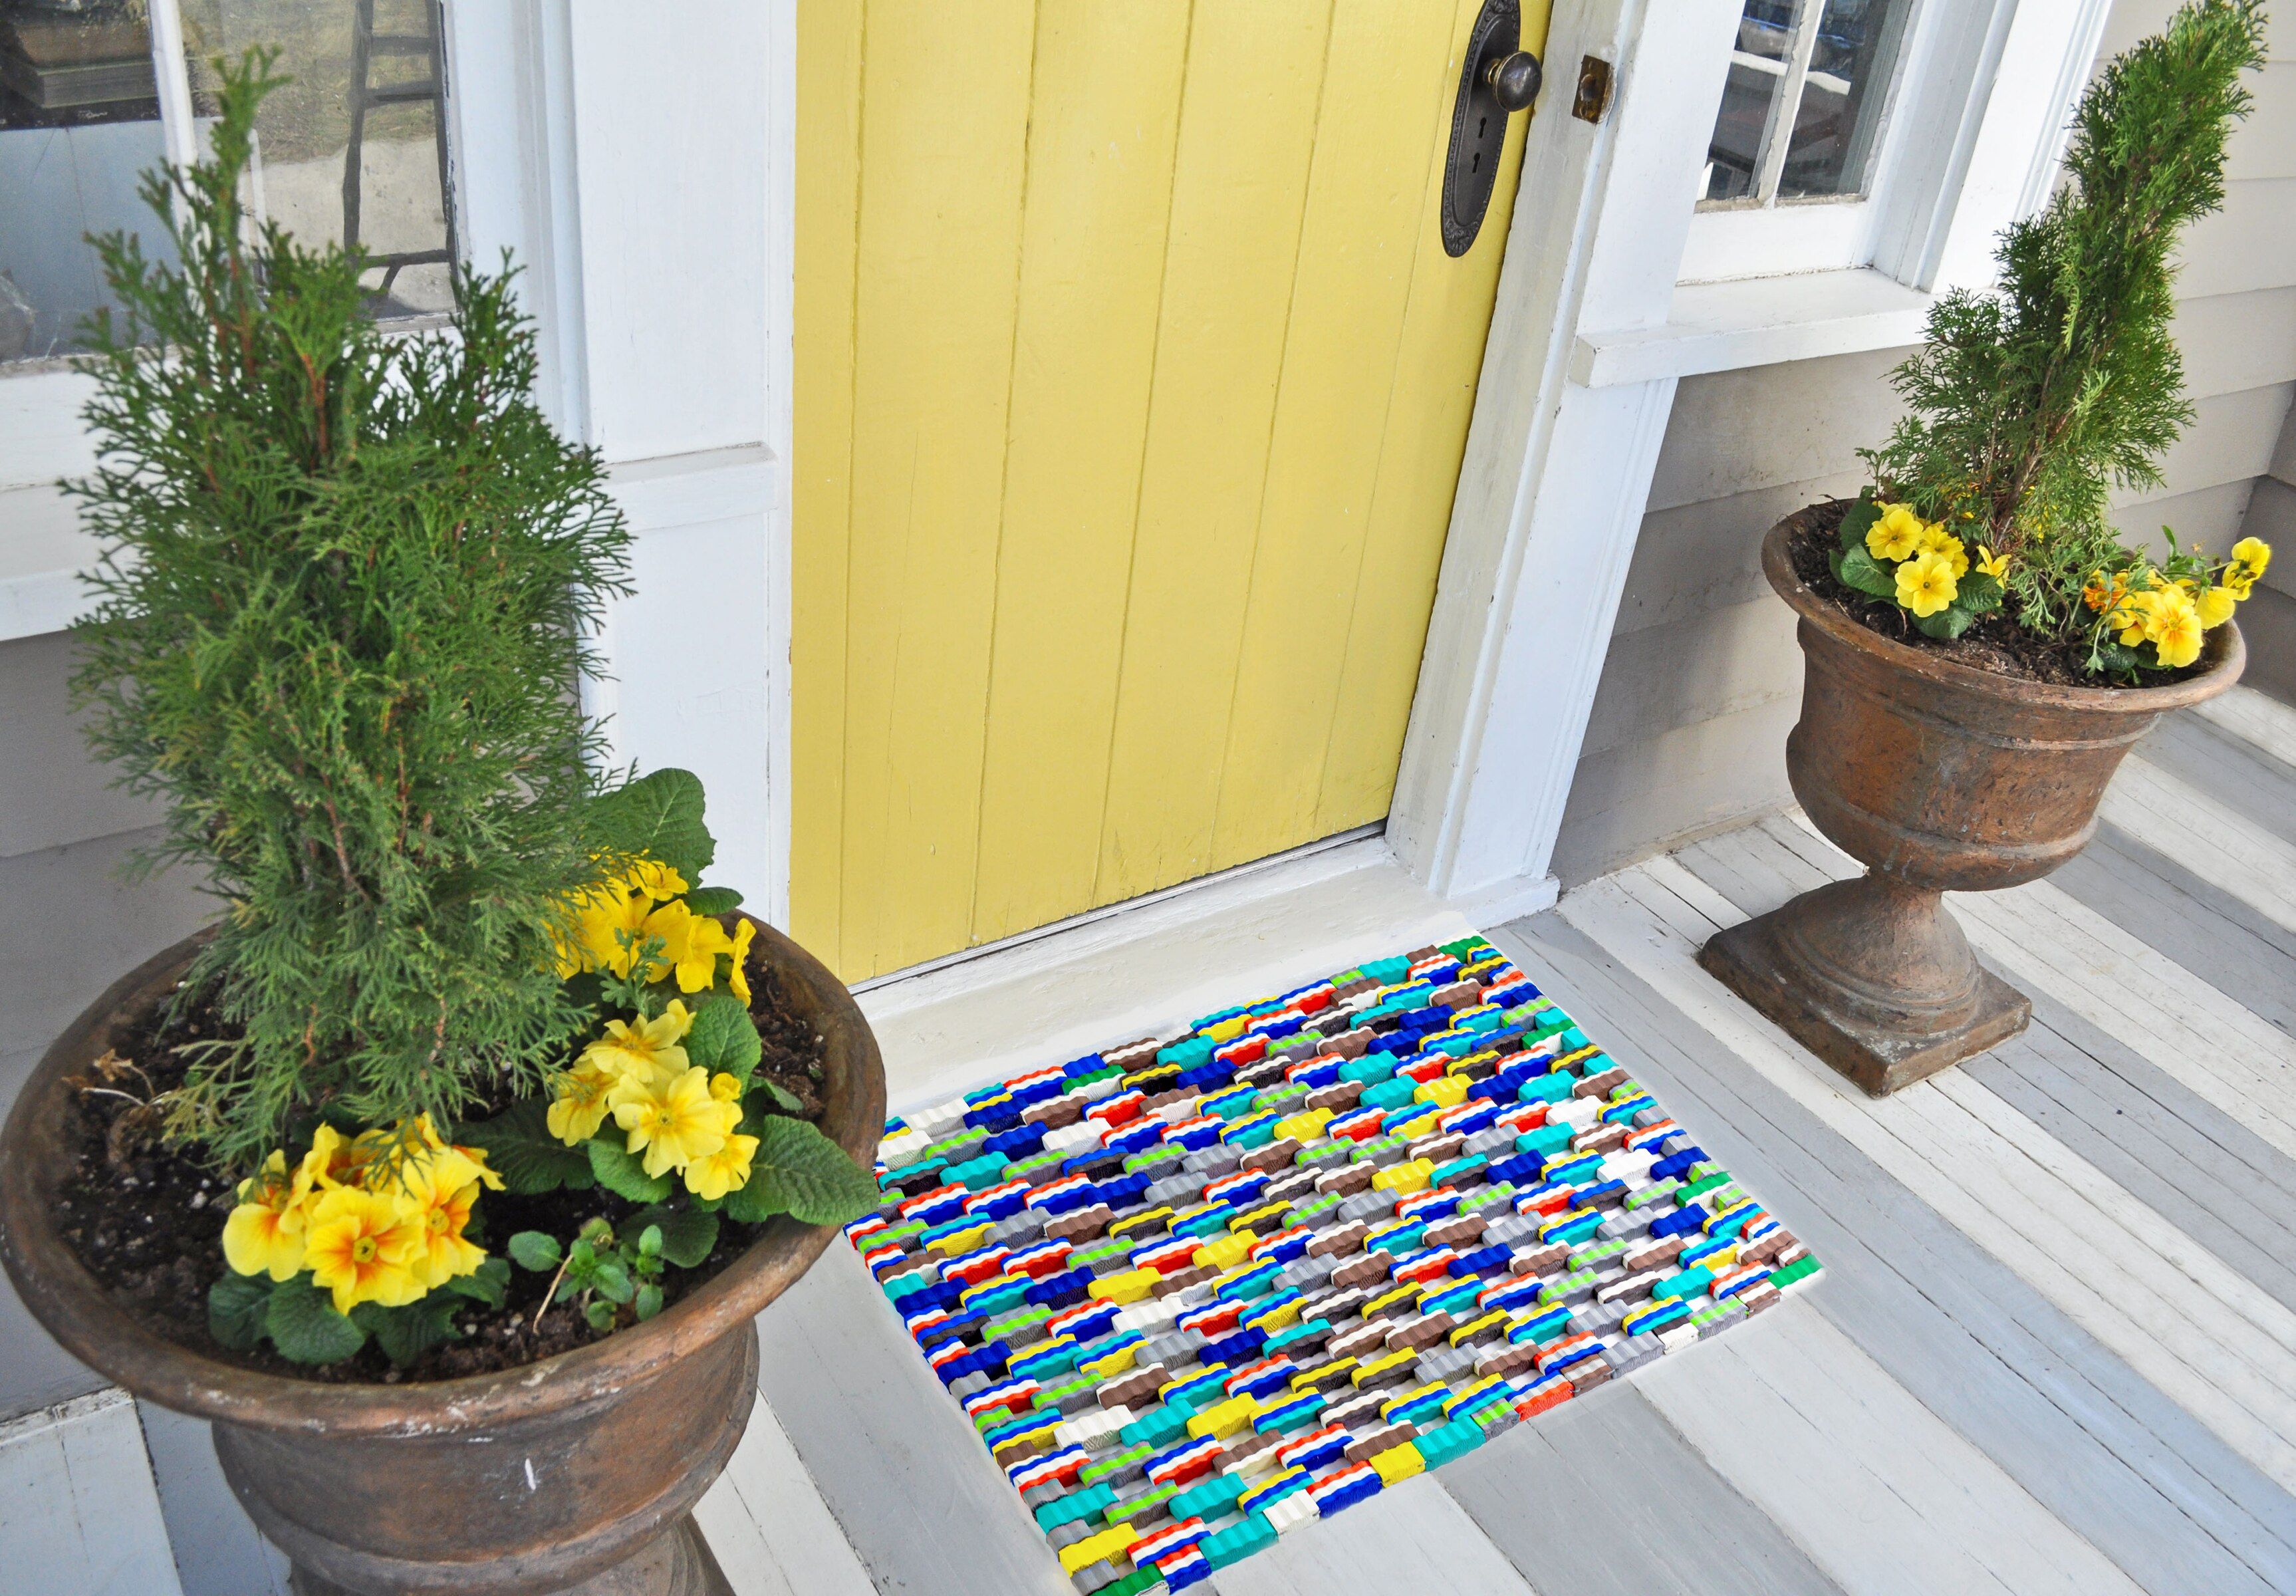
2224 653
74 1308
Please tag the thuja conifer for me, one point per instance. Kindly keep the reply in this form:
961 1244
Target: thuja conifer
346 578
2033 398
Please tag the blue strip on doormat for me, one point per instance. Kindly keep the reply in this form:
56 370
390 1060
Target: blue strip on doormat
1196 1292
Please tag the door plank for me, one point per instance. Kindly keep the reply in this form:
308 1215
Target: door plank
940 241
1255 73
1103 130
1375 147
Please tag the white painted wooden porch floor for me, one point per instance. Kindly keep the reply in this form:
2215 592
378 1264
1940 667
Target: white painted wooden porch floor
2054 1349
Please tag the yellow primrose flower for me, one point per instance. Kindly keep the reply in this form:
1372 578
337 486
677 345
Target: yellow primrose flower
2215 605
335 1160
2250 556
743 933
639 1054
437 1203
1996 566
1936 541
2175 630
724 1087
728 1169
582 1102
676 1122
1896 535
2133 615
1926 584
2102 594
265 1233
656 880
691 943
361 1245
607 910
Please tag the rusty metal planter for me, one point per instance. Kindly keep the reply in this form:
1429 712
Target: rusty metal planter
573 1474
1938 777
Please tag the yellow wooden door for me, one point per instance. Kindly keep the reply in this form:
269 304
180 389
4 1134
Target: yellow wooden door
1132 382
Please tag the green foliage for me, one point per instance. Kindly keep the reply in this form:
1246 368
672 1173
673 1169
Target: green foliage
800 1171
620 1171
519 1147
660 816
2031 400
406 1333
301 1320
724 1037
605 1271
687 1235
237 1307
345 582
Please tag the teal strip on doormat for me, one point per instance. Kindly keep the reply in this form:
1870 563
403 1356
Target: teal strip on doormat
1198 1291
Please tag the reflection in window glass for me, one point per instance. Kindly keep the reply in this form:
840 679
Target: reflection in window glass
353 148
79 119
1807 82
1841 95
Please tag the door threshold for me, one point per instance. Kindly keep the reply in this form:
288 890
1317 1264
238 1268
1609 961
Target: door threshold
1092 917
1154 964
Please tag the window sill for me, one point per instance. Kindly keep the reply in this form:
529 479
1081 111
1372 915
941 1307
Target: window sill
1761 321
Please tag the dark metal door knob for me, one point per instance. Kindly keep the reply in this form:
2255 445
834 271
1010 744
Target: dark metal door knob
1497 78
1514 79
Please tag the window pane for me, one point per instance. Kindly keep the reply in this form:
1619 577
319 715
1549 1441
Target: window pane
79 119
1758 70
1842 98
345 154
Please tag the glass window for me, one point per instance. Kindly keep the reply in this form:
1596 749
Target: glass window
79 119
352 150
1808 81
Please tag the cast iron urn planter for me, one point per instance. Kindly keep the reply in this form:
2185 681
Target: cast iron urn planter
573 1475
1938 777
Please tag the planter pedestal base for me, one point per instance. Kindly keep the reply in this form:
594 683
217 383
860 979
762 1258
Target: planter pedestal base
676 1564
1873 976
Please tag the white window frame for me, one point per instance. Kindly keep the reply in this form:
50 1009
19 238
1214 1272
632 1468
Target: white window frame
1962 65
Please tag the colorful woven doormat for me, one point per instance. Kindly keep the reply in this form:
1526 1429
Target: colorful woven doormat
1195 1292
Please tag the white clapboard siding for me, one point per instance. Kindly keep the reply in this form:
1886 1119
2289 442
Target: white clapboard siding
1882 1493
767 1526
2196 1035
2230 1375
79 1515
2222 847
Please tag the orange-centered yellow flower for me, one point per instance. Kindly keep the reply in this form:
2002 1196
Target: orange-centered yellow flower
640 1053
725 1170
361 1245
265 1233
1896 535
438 1203
678 1122
583 1101
2173 627
1926 584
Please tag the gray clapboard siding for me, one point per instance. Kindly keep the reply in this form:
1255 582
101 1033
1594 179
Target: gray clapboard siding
2209 518
50 792
1707 556
1733 432
2265 144
2244 246
2232 437
1653 793
2100 1447
2232 341
1701 668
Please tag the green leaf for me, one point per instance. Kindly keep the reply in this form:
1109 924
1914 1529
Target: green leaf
799 1171
659 815
610 1280
1978 593
1858 521
303 1323
724 1037
236 1305
648 1302
650 1241
688 1235
489 1283
618 1170
785 1100
536 1250
1947 624
521 1150
406 1333
1861 571
713 899
601 1315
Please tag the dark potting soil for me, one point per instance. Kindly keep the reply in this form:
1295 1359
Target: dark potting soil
147 1217
1996 643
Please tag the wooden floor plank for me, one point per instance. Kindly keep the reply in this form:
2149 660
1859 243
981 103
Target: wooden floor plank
1410 1537
916 1495
2229 767
2101 1447
2257 719
1603 1497
2185 814
1882 1493
767 1526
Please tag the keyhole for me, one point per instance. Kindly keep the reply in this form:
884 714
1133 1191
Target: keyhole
1476 165
1483 128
